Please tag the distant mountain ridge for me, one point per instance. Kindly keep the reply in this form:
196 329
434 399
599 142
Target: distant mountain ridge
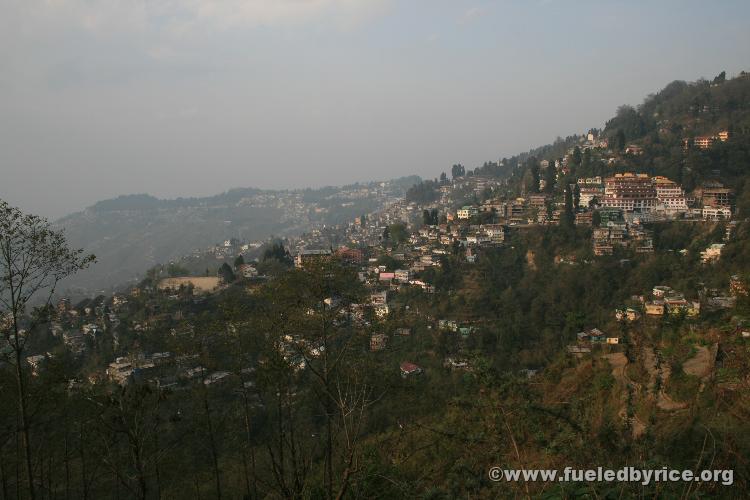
132 233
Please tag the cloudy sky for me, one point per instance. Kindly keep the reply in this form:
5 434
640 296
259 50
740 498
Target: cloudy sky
192 97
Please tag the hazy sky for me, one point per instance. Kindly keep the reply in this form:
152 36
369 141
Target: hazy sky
192 97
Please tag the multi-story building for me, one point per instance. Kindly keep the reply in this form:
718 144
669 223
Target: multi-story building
588 193
402 275
610 215
537 200
715 195
602 248
516 210
308 256
584 219
629 192
588 181
703 141
467 212
669 194
495 232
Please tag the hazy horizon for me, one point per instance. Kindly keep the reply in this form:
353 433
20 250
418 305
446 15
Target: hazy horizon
193 98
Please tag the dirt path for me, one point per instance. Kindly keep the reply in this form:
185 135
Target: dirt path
663 401
702 364
619 362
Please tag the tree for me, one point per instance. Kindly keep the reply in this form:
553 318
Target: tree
577 157
225 273
430 217
35 258
128 425
721 77
568 218
424 192
619 144
596 218
174 269
398 233
458 170
278 253
315 305
533 180
630 122
587 167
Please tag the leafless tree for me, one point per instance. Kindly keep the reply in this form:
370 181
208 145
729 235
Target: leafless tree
34 258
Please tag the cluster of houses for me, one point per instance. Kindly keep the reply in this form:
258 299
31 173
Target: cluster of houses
296 350
614 230
455 327
78 328
432 241
620 204
665 300
167 371
586 339
705 141
310 210
654 198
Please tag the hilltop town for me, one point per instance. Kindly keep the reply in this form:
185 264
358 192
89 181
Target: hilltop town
394 249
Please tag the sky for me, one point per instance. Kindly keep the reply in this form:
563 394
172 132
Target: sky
100 98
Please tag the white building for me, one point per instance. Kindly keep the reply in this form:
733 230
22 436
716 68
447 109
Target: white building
467 212
717 213
670 195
